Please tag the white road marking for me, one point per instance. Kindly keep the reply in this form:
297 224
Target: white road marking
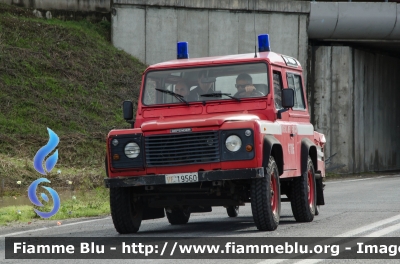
364 179
386 176
23 232
370 226
384 231
350 233
45 228
379 233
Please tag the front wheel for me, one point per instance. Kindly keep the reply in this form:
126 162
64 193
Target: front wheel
303 195
125 213
266 198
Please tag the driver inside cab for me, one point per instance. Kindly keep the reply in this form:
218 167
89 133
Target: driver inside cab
203 87
245 87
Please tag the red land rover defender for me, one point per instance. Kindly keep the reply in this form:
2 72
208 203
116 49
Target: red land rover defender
217 131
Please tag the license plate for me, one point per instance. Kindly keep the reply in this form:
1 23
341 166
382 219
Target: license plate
182 177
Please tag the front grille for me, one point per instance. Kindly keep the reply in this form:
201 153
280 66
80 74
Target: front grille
181 149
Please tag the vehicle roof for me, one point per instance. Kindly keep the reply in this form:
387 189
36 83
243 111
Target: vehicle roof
271 57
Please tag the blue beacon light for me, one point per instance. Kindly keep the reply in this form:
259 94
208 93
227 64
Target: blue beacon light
263 43
182 50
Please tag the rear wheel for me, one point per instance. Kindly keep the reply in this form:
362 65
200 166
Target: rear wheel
303 195
178 216
126 214
232 211
266 198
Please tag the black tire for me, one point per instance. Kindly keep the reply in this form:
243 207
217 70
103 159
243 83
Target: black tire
126 215
266 198
303 194
232 211
178 216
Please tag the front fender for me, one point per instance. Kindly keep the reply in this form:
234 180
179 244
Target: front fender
272 146
308 148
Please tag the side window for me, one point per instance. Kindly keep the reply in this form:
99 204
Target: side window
278 90
294 82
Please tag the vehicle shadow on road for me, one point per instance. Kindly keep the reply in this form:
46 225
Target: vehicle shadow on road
196 227
215 226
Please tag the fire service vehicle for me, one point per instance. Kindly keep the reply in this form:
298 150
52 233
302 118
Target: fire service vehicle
217 131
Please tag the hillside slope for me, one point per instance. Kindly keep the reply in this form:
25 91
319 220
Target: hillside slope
65 76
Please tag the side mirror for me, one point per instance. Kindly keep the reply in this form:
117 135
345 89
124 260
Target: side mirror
127 109
287 98
287 101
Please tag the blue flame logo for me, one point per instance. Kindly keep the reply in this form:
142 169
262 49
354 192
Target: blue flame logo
44 151
54 195
50 163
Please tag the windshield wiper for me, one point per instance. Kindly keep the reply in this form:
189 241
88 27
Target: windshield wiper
220 95
177 96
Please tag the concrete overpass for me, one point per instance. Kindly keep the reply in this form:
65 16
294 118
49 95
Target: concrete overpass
354 82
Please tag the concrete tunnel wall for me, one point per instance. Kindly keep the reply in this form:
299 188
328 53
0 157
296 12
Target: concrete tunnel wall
149 30
354 98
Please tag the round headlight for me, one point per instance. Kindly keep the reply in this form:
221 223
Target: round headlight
233 143
132 150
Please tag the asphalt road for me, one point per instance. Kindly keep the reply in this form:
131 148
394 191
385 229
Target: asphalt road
368 206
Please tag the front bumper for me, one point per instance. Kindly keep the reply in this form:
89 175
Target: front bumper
215 175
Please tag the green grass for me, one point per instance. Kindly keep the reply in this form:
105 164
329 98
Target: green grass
20 169
84 204
64 75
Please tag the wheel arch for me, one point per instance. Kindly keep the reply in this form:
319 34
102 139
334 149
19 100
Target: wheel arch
308 148
273 147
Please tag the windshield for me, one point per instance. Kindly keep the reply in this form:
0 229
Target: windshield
233 82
